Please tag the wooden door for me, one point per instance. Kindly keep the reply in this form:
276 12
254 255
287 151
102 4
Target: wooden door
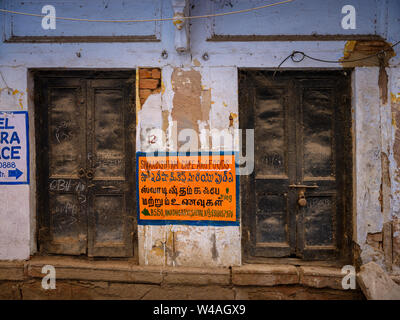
299 123
111 197
85 137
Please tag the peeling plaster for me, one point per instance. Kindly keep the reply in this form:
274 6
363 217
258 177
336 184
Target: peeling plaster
187 100
155 247
354 50
218 75
368 158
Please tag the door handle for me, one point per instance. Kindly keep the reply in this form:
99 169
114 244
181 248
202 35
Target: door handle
302 201
109 187
303 186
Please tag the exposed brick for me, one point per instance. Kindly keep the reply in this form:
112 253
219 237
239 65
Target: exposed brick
148 84
144 93
156 74
375 240
145 73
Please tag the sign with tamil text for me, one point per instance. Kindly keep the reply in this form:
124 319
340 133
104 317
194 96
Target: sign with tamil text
199 189
14 147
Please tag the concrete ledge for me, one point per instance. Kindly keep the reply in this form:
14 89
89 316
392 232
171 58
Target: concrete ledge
321 277
88 279
12 270
197 276
113 271
126 271
270 275
264 275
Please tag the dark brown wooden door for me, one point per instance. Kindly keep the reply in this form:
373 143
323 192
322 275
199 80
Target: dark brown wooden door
299 123
86 136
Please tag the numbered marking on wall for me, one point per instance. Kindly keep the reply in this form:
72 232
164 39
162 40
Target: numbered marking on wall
14 148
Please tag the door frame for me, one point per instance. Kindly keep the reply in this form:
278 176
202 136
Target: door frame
346 247
93 73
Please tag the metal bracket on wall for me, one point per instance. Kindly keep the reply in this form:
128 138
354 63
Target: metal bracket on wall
182 38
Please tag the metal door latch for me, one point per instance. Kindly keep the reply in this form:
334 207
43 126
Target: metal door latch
302 201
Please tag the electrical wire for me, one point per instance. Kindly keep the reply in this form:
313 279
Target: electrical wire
304 55
156 19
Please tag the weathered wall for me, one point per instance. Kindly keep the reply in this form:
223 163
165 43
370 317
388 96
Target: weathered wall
200 99
367 158
395 167
208 91
15 226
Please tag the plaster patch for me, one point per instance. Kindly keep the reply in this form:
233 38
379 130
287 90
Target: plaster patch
190 102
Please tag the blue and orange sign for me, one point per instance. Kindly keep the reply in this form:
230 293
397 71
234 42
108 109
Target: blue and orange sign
196 189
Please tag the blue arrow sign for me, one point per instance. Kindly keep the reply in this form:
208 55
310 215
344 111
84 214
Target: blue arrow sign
15 173
14 147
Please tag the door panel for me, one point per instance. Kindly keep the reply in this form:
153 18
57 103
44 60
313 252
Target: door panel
271 122
85 141
66 136
66 223
109 134
111 187
274 169
317 222
109 223
318 139
298 120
